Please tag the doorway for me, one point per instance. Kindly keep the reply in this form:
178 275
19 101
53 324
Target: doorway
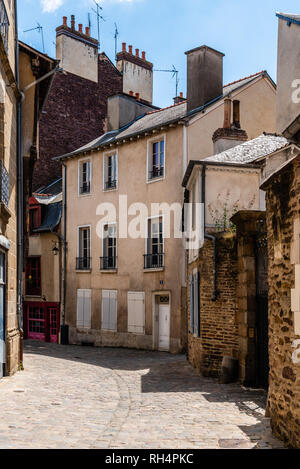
163 321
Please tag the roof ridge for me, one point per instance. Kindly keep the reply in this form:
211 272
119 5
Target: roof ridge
246 78
165 108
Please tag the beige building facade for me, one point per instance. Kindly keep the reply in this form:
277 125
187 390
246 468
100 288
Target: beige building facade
125 290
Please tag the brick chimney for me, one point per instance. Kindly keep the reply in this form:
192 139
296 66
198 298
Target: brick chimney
230 135
76 50
179 99
137 73
204 76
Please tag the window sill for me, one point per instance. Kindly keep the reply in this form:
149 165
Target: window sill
115 189
86 271
112 271
156 269
85 195
151 181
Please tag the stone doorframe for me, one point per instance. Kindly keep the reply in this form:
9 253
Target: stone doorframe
249 223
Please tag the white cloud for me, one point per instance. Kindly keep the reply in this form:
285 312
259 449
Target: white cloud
51 5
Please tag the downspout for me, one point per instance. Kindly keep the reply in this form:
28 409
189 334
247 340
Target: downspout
20 201
210 236
64 327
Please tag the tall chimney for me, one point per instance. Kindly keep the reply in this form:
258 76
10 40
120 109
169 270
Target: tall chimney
204 76
72 21
130 49
227 113
123 46
65 21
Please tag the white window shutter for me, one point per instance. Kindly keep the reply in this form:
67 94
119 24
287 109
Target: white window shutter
136 312
80 308
105 310
113 311
87 309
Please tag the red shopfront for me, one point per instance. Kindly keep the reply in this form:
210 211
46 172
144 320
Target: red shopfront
41 321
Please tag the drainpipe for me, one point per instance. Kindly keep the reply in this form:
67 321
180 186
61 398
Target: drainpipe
210 236
64 328
20 200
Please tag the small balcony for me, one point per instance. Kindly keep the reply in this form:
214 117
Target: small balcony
85 188
83 263
108 263
156 173
110 185
4 25
154 261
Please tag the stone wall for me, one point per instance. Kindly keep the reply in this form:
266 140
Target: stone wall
283 208
218 319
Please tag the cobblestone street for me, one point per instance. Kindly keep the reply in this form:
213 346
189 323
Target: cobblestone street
81 397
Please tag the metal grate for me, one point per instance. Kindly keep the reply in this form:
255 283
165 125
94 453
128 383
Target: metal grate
4 25
108 263
4 180
154 261
83 263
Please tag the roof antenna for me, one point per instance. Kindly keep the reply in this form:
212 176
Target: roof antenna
99 17
175 73
116 39
38 28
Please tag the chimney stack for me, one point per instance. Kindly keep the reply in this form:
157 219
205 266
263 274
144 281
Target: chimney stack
137 52
204 76
87 31
137 95
130 49
72 21
144 55
65 21
179 99
230 135
80 28
123 46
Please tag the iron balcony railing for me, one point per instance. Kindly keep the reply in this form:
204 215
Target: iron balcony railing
108 263
83 263
157 173
4 182
85 188
4 25
111 184
154 261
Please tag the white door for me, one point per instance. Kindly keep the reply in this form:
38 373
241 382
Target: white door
164 327
136 312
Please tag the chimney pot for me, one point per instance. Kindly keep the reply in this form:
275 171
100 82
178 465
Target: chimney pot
73 21
80 28
65 19
236 114
137 52
130 49
124 46
144 55
131 93
181 94
87 31
227 113
137 95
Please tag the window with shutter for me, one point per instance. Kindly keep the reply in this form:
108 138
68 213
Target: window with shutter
136 312
109 310
84 309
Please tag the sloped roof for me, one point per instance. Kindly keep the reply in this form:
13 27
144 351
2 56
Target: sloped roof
278 170
50 194
156 119
51 217
250 151
290 18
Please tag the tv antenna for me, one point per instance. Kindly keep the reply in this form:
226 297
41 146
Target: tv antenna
99 17
40 30
116 39
175 74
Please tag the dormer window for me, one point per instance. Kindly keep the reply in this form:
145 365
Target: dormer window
85 177
110 171
156 159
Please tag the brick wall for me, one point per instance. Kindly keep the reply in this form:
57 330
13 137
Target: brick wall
218 325
283 207
73 116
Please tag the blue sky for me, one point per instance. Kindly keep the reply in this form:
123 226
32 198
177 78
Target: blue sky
246 31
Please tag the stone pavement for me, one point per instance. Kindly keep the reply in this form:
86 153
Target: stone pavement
82 397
